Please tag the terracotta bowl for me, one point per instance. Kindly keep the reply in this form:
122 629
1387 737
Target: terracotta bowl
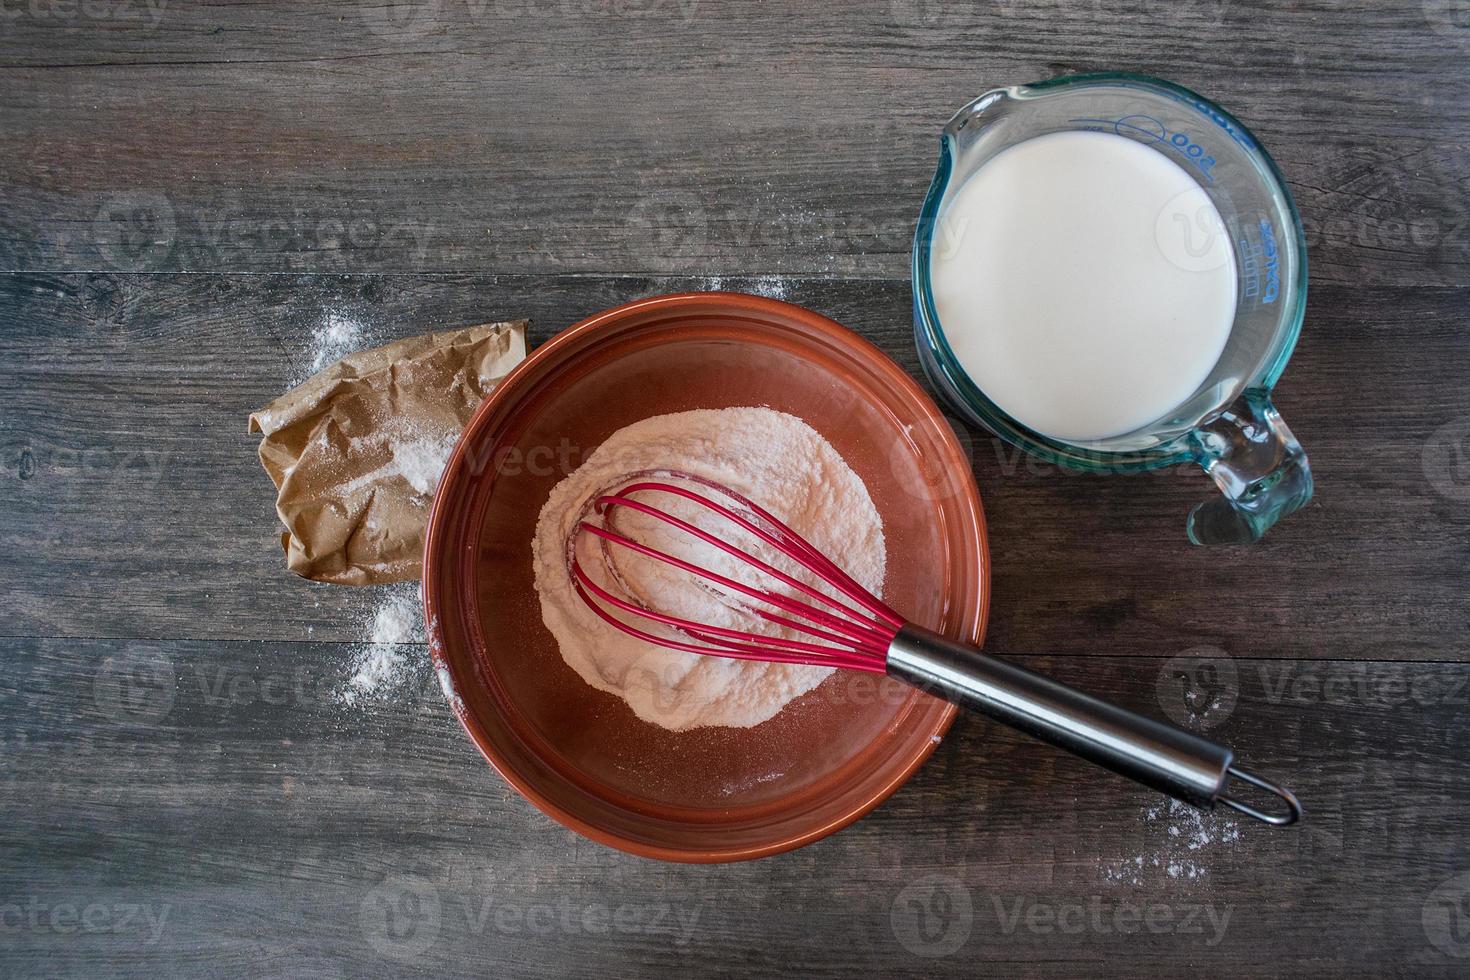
581 755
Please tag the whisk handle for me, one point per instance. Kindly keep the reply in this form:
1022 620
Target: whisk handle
1163 757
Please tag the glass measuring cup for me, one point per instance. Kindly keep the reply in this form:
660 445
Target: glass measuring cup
1229 425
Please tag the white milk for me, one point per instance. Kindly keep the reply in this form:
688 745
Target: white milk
1084 282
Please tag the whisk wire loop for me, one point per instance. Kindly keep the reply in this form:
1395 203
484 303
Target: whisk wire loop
769 650
855 638
785 540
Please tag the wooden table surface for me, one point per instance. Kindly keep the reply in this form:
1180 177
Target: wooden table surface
188 190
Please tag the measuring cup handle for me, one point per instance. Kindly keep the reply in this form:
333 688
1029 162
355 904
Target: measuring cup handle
1259 467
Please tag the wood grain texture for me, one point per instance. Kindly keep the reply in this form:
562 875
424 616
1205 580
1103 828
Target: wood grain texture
172 743
134 390
689 136
221 786
188 189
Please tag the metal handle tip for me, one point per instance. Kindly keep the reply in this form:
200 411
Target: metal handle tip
1293 807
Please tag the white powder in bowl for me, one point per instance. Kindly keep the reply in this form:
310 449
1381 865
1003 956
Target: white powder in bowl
778 462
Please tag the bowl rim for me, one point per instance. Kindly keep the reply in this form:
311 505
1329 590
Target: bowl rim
436 557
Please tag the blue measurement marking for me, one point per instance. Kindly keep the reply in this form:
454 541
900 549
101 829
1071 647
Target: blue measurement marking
1249 267
1272 261
1259 264
1147 129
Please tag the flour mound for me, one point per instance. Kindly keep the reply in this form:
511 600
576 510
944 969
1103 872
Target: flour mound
778 462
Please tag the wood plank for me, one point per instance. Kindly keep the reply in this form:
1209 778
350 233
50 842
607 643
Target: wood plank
135 507
234 793
188 190
668 136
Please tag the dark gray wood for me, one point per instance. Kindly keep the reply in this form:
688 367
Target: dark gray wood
233 791
667 135
135 390
184 197
138 532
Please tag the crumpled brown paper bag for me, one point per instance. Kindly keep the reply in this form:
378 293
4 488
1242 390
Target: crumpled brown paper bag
356 450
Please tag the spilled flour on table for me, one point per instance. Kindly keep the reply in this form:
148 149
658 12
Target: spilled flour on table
1187 835
772 287
338 335
392 653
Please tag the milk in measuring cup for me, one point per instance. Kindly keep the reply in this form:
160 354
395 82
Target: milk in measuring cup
1084 282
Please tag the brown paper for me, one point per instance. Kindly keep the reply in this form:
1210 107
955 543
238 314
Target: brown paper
355 451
